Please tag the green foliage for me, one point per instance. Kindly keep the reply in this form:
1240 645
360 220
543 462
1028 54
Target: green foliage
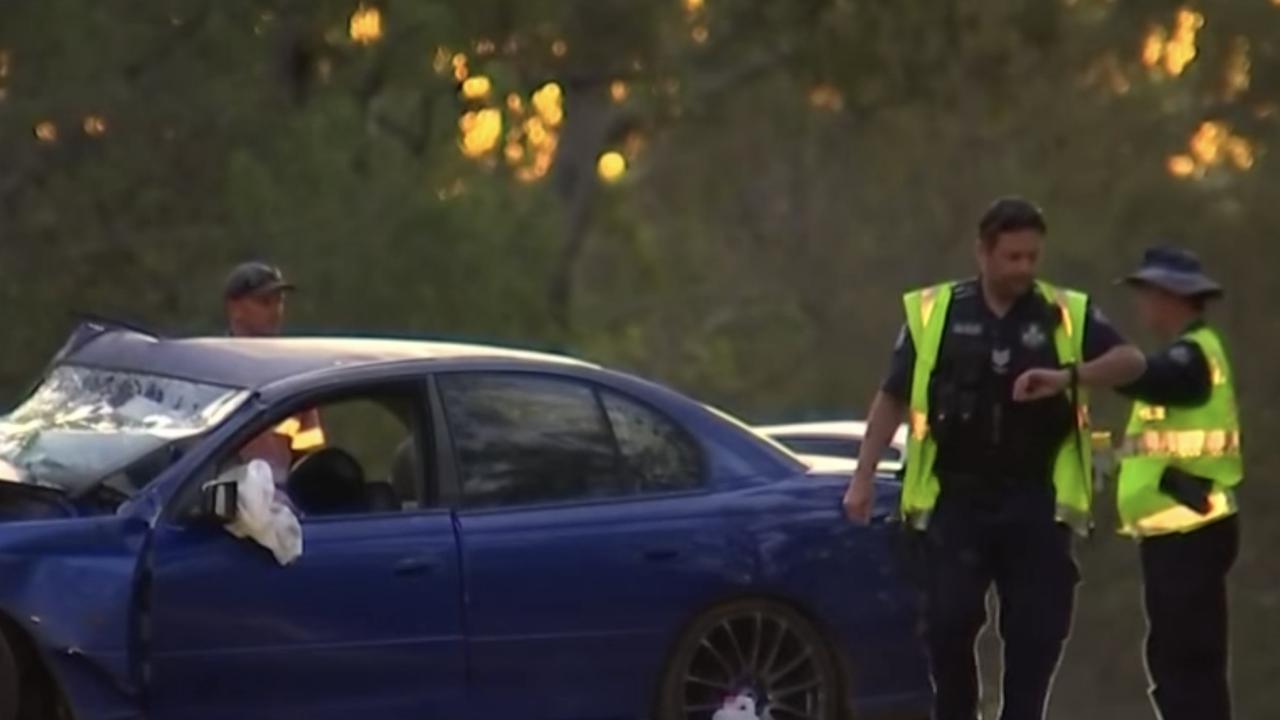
754 252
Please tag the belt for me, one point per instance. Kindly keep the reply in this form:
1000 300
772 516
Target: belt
987 483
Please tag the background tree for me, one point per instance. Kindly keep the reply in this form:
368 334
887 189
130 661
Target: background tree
727 195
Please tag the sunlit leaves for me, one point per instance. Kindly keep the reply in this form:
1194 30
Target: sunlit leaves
1173 51
1213 144
619 91
46 131
826 97
1181 165
548 100
480 131
94 125
1238 77
5 62
365 26
476 87
611 166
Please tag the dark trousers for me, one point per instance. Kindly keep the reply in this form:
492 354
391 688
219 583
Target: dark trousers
1014 544
1185 592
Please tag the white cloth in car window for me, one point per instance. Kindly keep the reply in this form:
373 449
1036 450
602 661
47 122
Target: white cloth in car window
262 516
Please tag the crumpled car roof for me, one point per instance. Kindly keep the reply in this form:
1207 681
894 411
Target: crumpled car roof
255 362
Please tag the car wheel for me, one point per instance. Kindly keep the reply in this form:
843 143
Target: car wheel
8 681
751 649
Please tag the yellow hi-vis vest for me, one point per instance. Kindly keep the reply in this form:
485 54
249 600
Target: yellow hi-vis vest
1073 466
1203 441
303 431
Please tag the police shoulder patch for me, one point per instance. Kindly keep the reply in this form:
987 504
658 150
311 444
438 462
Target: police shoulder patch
1096 314
1033 336
1180 354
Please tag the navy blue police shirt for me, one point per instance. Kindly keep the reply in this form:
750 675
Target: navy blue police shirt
1005 438
1177 376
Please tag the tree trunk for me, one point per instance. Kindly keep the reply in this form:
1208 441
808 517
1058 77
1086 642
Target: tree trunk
589 122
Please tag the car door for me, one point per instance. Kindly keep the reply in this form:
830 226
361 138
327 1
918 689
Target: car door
588 538
366 622
860 580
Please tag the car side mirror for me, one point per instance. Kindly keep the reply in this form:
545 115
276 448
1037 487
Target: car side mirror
219 500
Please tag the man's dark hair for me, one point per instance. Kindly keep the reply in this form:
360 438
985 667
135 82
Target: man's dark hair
1009 214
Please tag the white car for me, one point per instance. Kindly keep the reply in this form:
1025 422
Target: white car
836 438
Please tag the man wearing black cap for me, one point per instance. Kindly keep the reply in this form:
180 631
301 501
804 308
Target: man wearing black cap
1181 463
253 297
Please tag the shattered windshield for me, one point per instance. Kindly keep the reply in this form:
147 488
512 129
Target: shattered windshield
84 424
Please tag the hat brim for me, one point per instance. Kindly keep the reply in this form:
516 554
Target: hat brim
1189 285
271 288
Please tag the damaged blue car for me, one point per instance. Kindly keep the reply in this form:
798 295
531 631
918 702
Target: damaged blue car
455 531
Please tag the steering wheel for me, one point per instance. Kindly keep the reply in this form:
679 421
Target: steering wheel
327 482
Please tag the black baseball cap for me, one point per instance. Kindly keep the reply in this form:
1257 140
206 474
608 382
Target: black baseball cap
255 278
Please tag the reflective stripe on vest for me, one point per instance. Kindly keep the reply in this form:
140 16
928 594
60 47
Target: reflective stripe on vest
919 425
1222 504
1072 473
1182 444
1203 441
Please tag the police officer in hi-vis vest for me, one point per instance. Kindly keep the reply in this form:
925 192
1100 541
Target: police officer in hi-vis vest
998 466
1180 464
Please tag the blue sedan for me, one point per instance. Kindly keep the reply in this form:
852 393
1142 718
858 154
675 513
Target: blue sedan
485 533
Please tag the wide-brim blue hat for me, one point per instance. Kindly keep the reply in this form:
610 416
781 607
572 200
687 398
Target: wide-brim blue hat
1175 270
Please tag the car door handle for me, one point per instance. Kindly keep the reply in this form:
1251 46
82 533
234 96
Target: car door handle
661 554
415 566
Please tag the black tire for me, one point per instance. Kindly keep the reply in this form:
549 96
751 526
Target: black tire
8 681
757 646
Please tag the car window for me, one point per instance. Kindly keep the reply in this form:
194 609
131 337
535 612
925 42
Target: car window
832 447
658 454
378 433
357 453
85 427
522 439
